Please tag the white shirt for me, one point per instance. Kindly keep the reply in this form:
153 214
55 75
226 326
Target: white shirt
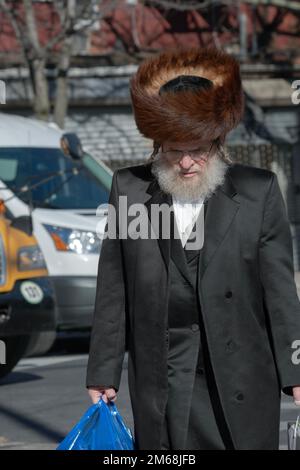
186 215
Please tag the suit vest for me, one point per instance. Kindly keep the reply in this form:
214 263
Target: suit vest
183 308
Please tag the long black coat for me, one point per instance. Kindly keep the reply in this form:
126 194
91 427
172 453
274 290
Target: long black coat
247 294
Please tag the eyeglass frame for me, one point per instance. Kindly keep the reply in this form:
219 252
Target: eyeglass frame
188 152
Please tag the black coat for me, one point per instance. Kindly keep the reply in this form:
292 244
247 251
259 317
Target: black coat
248 299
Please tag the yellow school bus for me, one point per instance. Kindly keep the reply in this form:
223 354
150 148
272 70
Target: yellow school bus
27 304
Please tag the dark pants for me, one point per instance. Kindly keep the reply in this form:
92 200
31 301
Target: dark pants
203 431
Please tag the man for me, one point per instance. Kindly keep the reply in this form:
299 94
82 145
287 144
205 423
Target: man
210 312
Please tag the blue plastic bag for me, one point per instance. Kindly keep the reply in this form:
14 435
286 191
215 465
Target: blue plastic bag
100 428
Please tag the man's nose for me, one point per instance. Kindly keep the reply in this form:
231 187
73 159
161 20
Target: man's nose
186 162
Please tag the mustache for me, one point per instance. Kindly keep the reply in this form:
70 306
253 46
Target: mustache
202 185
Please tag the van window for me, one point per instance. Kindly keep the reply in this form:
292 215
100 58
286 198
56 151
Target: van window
75 187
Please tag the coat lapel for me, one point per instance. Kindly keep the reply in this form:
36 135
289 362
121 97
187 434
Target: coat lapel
222 208
159 197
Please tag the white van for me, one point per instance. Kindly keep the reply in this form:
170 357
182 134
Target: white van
61 190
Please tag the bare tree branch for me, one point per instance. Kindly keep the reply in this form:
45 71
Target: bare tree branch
31 27
69 28
12 16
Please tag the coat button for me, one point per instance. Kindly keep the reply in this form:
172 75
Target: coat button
228 294
230 346
195 327
239 396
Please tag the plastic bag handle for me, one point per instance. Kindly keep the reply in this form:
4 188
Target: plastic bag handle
110 404
296 426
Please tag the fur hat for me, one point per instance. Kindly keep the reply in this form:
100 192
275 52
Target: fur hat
186 94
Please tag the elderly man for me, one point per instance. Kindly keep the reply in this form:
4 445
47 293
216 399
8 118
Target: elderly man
210 312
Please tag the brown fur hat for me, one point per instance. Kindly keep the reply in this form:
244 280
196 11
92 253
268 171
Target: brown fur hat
191 113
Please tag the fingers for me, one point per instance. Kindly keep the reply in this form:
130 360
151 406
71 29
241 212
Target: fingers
95 395
109 395
296 394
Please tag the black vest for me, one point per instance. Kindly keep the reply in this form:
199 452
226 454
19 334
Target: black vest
183 309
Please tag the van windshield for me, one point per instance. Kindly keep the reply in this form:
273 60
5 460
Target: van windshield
56 181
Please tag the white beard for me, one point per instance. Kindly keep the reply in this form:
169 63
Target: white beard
199 186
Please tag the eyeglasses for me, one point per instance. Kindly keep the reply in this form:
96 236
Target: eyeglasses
197 154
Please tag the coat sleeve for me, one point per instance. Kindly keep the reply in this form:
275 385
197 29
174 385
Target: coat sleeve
107 346
281 301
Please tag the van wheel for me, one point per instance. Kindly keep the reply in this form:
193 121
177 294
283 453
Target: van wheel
40 343
15 347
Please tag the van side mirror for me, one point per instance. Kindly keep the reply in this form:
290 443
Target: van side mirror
71 145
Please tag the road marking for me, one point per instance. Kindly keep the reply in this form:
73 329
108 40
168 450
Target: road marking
35 362
27 446
283 447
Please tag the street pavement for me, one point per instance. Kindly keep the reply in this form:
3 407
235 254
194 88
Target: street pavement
43 398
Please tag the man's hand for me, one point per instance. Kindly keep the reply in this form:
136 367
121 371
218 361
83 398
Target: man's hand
107 394
296 394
